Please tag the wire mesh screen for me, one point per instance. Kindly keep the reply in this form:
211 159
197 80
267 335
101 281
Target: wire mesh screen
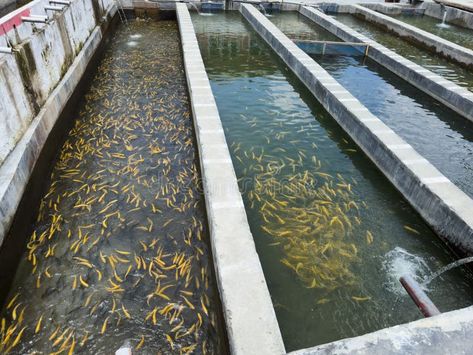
333 48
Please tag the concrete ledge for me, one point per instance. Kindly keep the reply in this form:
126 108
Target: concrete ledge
450 94
250 319
442 205
441 46
19 164
447 333
455 16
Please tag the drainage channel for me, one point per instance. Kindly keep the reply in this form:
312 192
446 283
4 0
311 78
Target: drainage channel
439 134
453 33
119 249
332 234
451 71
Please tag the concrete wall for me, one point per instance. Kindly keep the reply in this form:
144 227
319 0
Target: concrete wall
457 98
432 9
250 319
442 205
395 9
442 47
448 333
37 80
455 16
42 55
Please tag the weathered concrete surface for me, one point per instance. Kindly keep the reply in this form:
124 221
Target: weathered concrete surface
15 106
42 55
442 47
250 319
457 98
447 333
456 16
442 205
428 8
36 113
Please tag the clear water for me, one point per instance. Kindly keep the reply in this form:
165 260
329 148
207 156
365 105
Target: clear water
119 249
302 179
439 134
453 33
422 57
299 27
436 132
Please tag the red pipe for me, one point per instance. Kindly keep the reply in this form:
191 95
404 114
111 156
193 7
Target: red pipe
420 298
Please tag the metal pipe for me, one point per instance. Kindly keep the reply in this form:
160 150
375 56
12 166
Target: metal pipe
34 19
6 50
53 8
60 2
420 298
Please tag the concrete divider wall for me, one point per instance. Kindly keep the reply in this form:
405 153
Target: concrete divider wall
455 16
457 98
40 77
394 9
446 333
442 205
447 49
249 315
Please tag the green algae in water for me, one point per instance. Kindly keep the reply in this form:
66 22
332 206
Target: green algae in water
119 249
280 139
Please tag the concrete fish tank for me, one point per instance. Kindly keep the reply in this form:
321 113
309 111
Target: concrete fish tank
235 177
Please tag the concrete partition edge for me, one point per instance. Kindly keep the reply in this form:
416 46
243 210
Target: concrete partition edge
19 164
442 334
442 204
437 44
248 311
450 94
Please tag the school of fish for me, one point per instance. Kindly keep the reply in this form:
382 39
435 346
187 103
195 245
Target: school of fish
312 215
119 248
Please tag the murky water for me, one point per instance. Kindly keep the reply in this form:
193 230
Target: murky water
422 57
453 33
4 10
119 250
332 234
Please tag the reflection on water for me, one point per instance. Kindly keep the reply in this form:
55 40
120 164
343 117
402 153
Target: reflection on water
118 251
423 57
439 134
299 27
453 33
323 218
